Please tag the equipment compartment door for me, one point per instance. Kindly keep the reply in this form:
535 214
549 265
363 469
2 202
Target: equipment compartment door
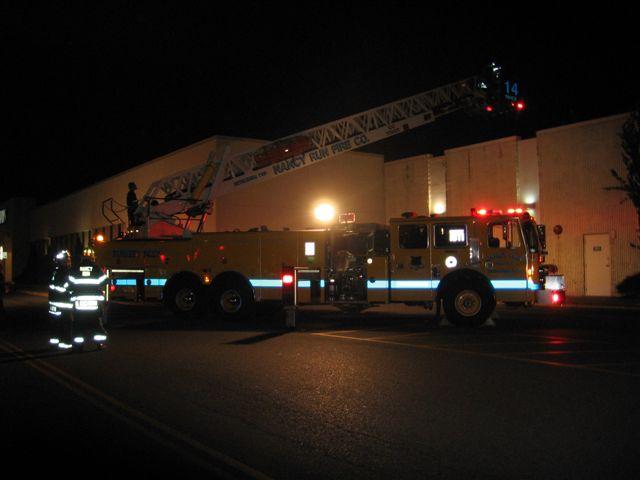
597 265
411 264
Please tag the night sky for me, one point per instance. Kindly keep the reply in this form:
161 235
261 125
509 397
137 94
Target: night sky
91 89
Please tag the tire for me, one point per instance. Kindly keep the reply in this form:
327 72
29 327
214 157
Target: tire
232 299
184 296
468 303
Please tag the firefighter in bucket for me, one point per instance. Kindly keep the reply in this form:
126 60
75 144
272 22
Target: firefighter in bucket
77 303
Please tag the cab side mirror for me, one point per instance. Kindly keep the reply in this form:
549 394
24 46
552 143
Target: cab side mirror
542 235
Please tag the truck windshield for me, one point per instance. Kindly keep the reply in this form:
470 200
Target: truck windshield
531 236
355 243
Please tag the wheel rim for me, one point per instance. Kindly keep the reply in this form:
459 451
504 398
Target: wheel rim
186 299
468 303
230 301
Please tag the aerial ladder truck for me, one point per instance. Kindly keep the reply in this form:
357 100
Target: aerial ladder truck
167 255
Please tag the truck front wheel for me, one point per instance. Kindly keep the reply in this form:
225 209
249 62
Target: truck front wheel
468 304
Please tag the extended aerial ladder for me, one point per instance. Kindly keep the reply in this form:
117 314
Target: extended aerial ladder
173 204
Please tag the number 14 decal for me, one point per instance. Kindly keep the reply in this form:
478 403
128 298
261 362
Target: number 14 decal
511 90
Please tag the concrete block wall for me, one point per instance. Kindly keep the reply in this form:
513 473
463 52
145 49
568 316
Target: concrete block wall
575 163
351 182
406 186
482 176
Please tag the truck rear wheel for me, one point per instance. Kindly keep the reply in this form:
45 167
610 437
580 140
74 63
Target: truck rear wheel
468 304
184 296
232 299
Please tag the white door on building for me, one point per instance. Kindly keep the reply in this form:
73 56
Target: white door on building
597 264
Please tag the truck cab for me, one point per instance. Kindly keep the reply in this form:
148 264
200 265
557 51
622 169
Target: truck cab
466 262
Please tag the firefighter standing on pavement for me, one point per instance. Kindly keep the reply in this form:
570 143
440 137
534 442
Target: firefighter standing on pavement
77 302
59 304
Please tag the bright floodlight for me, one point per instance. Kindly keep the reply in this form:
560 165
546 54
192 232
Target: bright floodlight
325 212
439 208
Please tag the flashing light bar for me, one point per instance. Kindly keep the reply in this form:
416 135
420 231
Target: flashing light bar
482 212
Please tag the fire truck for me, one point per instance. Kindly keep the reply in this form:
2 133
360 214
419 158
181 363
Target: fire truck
466 264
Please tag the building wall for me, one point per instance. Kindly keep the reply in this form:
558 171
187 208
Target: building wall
14 236
575 163
437 185
482 176
559 175
82 210
352 181
528 176
406 186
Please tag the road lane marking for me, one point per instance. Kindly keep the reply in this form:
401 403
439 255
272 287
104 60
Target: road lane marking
401 335
473 344
137 419
481 354
341 331
612 364
568 352
557 337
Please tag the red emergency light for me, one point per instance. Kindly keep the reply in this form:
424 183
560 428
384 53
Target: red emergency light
558 297
288 287
483 212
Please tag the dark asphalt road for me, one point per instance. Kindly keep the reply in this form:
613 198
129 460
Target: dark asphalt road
543 394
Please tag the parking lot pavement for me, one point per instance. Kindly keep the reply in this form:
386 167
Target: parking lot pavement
543 393
575 349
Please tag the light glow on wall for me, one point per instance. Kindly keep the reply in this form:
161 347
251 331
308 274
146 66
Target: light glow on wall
439 208
325 212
